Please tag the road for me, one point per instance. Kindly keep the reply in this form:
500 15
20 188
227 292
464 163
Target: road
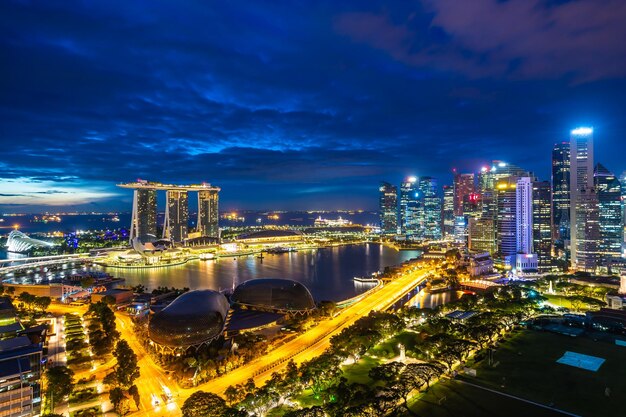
315 341
303 348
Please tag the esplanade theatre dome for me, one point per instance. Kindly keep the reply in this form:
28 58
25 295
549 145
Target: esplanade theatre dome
281 295
191 320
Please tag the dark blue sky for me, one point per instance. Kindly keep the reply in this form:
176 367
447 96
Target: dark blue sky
301 105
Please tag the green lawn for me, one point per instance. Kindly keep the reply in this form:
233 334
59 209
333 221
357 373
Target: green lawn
559 301
359 371
453 399
528 369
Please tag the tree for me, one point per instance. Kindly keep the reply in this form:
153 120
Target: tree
42 303
116 395
26 299
316 411
388 372
60 383
133 391
126 370
203 404
235 394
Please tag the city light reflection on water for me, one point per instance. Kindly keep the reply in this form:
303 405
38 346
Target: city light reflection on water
326 272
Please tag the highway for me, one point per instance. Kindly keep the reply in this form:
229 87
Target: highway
303 348
315 341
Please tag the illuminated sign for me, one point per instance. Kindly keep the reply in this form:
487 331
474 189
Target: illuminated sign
582 131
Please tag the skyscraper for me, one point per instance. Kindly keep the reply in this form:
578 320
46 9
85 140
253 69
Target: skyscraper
524 215
506 225
514 224
542 220
561 192
448 210
144 215
176 215
623 182
409 202
208 215
481 235
587 231
430 222
582 200
463 186
388 208
609 191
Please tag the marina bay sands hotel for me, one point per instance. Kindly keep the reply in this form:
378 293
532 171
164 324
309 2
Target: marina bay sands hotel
176 224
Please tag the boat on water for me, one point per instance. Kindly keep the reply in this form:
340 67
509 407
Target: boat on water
206 256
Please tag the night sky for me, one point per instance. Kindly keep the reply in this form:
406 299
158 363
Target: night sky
306 105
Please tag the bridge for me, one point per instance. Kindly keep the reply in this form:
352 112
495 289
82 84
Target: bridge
13 265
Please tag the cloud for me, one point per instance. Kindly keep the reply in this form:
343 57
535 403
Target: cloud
526 39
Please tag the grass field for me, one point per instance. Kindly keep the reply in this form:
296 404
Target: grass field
454 399
527 368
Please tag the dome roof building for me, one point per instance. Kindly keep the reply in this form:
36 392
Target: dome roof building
276 295
193 319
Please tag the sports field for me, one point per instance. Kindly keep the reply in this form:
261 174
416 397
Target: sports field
527 367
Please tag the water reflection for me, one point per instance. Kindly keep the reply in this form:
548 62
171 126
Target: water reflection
424 299
326 272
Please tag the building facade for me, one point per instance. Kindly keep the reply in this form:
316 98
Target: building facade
408 205
581 188
176 215
609 190
144 215
542 225
463 186
208 213
388 208
448 211
561 192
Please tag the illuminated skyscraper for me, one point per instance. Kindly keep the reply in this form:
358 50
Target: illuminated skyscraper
609 192
542 221
144 218
408 205
448 210
623 182
583 214
208 215
388 208
506 225
561 191
176 215
481 235
524 215
587 237
430 221
463 186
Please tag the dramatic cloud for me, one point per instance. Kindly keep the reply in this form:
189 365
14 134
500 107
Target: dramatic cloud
296 105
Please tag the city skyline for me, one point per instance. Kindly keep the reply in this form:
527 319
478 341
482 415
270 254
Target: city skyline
288 107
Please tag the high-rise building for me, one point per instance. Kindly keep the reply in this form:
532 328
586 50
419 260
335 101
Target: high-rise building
481 235
542 221
144 215
622 180
388 208
448 210
430 221
176 215
208 215
586 249
514 224
409 204
524 215
506 225
609 192
144 218
561 192
582 198
463 186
